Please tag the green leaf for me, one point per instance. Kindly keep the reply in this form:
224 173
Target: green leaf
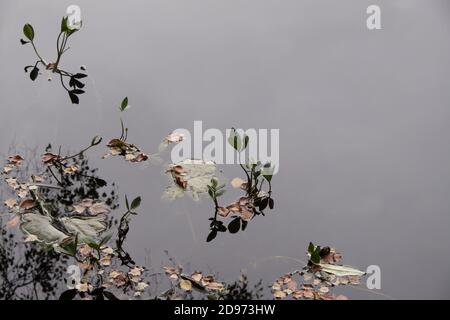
271 203
110 296
74 98
126 203
28 31
311 248
106 238
124 104
77 91
136 203
220 193
96 140
211 235
234 225
64 25
246 139
235 140
34 73
68 294
79 75
93 245
315 256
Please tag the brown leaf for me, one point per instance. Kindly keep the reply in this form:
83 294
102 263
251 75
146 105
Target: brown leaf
292 285
15 159
11 202
7 169
215 286
27 204
197 276
246 214
298 294
186 285
99 208
181 182
179 169
237 182
278 294
223 212
13 222
12 183
70 169
174 137
49 157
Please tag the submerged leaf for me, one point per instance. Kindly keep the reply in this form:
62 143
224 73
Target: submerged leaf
41 227
87 228
191 176
340 271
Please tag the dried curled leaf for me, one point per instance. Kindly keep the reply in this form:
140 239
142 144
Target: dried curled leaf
49 157
237 182
129 152
10 203
186 285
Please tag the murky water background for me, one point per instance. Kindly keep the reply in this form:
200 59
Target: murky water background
364 121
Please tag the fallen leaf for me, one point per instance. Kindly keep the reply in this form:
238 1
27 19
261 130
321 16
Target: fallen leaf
223 212
340 271
141 286
237 182
11 202
136 271
31 238
15 160
193 178
12 183
174 137
278 294
27 204
105 261
70 169
186 285
99 208
7 169
196 276
49 157
13 222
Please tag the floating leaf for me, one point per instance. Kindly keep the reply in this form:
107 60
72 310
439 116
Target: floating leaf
237 182
193 178
27 204
34 73
28 31
74 98
135 203
11 202
186 285
340 271
124 104
86 228
212 235
234 225
41 227
68 294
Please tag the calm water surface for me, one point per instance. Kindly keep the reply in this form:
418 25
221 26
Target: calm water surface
364 121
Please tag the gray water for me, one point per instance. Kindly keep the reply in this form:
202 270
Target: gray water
363 115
